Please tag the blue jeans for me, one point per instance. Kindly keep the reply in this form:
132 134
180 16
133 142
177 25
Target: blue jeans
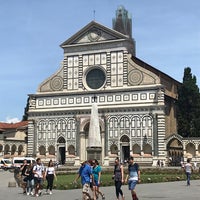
188 174
30 185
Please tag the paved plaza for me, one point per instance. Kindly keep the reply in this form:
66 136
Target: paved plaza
165 191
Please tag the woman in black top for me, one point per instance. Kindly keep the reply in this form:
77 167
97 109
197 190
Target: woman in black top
118 178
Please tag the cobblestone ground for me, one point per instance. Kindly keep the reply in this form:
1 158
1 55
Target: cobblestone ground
166 191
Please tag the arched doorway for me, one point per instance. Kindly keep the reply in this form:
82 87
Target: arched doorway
175 152
61 150
125 147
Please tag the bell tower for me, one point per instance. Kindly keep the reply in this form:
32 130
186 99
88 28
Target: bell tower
123 24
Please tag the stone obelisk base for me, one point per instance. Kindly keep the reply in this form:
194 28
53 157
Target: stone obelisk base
94 153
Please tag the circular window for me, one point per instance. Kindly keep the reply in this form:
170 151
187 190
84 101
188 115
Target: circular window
95 78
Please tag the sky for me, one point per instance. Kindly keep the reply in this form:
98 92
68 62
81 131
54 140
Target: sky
167 35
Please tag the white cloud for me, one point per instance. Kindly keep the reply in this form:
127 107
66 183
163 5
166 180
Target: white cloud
12 120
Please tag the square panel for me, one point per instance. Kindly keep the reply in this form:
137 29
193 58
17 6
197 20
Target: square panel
126 97
134 97
110 98
118 98
41 102
71 101
152 96
101 99
143 96
55 101
63 101
78 100
86 99
48 102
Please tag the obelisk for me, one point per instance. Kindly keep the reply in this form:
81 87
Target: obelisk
94 137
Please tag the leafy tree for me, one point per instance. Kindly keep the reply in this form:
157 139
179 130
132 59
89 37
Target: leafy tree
188 106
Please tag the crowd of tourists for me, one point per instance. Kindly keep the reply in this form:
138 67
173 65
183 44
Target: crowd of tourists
33 175
90 173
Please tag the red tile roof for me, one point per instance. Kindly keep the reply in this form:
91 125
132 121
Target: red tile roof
13 125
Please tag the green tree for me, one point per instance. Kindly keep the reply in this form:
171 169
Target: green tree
188 106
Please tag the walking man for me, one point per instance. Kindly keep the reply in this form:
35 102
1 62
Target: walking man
38 171
85 172
133 177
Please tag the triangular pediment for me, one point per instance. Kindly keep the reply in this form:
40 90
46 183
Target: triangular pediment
94 32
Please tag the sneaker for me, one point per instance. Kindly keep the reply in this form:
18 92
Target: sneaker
103 196
28 193
32 193
40 192
50 192
37 195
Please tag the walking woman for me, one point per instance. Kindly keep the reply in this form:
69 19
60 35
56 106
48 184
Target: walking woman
118 178
96 172
30 179
50 174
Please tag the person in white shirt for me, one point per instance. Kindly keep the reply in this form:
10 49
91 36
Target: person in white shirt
188 170
50 174
133 177
38 171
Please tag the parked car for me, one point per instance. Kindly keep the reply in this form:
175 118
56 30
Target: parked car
6 164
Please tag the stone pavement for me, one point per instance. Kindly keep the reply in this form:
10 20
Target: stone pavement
167 191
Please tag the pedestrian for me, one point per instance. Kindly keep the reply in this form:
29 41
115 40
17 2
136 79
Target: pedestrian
97 180
188 170
17 176
158 163
133 177
118 178
23 176
90 163
38 171
30 179
50 174
85 173
195 165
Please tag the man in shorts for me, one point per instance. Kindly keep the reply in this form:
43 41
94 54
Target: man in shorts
38 171
85 173
133 177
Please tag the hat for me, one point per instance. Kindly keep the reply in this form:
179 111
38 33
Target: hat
82 161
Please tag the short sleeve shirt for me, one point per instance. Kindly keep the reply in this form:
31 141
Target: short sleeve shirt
85 172
133 171
39 171
96 171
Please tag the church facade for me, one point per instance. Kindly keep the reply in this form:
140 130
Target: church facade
136 102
